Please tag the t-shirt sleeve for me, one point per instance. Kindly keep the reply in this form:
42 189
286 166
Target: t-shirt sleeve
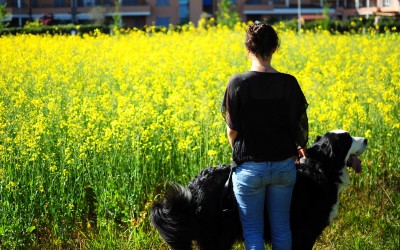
298 115
230 103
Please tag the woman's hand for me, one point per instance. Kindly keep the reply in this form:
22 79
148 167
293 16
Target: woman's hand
301 152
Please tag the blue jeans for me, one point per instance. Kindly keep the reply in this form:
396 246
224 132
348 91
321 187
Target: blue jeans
269 185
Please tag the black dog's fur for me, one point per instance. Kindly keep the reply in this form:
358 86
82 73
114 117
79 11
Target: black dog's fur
194 213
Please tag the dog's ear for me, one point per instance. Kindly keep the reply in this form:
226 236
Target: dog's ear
317 139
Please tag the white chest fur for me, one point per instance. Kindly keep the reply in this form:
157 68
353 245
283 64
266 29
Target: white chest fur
345 180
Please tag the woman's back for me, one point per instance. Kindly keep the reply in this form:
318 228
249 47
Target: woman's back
261 107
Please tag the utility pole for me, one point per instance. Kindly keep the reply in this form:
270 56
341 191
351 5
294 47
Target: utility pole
299 15
30 11
19 5
74 11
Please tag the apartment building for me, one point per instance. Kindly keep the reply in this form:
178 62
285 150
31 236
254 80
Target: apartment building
137 13
313 9
133 12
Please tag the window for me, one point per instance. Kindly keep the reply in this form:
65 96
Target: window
386 3
184 11
162 3
89 3
85 3
130 2
59 3
253 2
108 3
162 21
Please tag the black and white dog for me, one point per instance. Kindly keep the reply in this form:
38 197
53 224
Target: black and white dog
194 215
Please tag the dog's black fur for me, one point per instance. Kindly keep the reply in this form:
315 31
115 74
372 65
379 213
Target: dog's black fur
194 213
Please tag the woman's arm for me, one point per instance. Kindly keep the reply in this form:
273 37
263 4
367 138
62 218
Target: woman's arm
231 135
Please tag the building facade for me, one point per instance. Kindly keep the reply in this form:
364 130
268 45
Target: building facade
138 13
313 9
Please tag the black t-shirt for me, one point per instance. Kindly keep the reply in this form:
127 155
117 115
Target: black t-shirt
269 112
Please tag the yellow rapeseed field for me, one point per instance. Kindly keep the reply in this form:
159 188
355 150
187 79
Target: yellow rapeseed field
92 127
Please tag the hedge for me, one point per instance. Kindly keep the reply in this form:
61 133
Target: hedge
354 25
57 29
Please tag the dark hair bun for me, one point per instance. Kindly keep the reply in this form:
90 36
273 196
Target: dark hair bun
261 39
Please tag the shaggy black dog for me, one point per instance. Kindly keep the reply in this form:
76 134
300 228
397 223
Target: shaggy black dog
195 213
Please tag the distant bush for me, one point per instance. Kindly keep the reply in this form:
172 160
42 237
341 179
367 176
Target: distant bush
354 25
56 29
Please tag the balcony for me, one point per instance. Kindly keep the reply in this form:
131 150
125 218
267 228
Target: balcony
261 7
133 2
260 3
256 7
69 3
62 9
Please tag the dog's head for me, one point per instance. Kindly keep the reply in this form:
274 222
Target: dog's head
342 147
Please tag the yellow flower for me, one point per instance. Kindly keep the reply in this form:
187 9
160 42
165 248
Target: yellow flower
212 153
89 106
368 133
11 185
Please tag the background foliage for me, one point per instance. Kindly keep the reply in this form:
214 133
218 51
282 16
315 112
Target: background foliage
92 127
225 16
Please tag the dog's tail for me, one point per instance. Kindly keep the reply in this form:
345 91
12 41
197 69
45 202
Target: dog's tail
173 218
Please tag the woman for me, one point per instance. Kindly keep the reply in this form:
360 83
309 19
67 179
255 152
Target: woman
265 112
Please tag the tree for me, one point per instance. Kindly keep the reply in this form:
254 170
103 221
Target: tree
227 14
3 16
325 13
117 18
97 14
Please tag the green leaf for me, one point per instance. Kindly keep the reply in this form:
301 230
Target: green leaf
31 228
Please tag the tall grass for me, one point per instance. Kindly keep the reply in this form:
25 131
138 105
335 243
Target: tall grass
92 128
